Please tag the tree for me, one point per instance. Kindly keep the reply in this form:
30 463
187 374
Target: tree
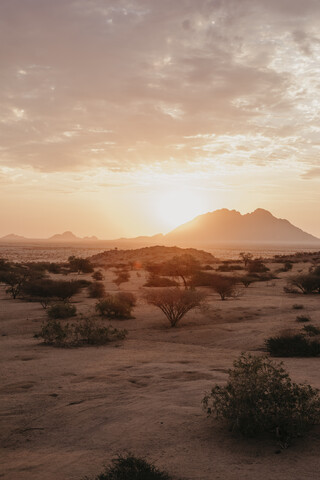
14 279
175 302
306 283
179 266
80 265
246 257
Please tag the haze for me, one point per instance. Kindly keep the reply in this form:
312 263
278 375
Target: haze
125 118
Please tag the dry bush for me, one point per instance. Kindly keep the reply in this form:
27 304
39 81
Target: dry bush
97 290
61 310
175 302
117 306
305 283
98 276
292 344
157 281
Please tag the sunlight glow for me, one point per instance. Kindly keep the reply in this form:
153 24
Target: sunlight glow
179 206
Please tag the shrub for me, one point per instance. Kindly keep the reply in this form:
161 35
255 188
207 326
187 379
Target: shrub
246 280
84 332
91 332
117 306
303 318
306 283
261 398
297 306
80 265
98 276
157 281
50 289
122 277
97 290
225 287
61 310
292 345
54 333
256 266
132 468
174 302
311 330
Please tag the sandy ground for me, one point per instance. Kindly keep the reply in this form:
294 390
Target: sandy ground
67 412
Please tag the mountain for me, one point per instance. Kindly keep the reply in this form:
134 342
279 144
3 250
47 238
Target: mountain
230 227
70 237
12 237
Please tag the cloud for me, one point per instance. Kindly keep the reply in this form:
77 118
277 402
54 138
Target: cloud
121 84
312 173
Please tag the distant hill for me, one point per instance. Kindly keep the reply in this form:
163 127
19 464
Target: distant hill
154 254
70 237
12 237
230 227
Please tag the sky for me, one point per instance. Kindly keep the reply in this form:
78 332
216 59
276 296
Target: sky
125 118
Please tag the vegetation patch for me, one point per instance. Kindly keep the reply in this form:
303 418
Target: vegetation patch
292 345
260 398
130 467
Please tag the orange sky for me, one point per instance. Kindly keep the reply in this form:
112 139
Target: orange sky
122 118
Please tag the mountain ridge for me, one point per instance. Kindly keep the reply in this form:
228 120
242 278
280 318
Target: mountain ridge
218 227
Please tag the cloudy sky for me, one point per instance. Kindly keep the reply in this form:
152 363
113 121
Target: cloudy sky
128 117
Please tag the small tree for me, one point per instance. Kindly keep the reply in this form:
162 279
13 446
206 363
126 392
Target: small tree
80 265
174 302
123 276
307 283
261 398
246 257
14 279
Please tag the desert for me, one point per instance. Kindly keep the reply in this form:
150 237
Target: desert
68 411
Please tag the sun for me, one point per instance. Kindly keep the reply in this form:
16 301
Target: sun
178 206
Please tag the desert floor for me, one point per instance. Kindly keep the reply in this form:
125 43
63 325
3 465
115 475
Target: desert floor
67 412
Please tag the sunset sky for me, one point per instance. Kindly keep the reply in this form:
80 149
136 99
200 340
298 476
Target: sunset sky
124 118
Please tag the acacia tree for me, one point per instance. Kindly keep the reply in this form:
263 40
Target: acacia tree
175 303
182 266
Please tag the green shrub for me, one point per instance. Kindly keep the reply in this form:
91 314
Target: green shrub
303 318
261 398
130 467
83 332
61 310
91 332
54 333
292 345
311 330
118 306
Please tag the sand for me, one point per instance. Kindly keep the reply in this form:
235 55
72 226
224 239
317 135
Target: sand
67 412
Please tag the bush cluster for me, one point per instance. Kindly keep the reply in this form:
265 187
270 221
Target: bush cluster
261 398
130 467
117 306
84 332
292 345
61 310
